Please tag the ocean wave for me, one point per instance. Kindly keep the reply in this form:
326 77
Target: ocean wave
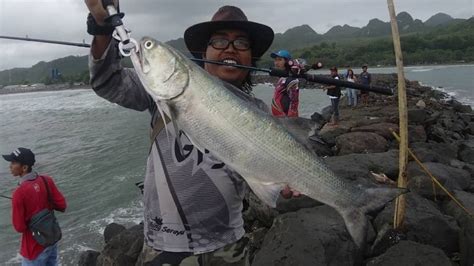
422 70
127 216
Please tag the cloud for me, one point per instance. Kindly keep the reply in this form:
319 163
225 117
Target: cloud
167 19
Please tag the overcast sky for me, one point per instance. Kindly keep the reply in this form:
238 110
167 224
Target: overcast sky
167 19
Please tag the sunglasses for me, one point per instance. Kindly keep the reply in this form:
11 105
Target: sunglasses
222 44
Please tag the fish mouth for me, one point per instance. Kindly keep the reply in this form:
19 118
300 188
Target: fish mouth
143 62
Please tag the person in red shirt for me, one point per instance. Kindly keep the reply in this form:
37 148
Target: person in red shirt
29 198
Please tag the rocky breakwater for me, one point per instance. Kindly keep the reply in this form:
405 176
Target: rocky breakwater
301 231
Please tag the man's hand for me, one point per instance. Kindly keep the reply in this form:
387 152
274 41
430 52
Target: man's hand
288 192
97 10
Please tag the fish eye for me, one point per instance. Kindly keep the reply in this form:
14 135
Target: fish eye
148 44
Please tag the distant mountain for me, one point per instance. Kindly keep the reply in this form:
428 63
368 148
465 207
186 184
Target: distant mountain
375 28
341 31
438 19
296 37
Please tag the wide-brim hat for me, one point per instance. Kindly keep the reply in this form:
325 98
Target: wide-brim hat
197 36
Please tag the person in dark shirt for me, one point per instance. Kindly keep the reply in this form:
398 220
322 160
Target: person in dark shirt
365 78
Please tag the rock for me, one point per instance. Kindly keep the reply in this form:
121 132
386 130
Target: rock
319 146
355 166
470 128
450 177
382 129
466 151
88 258
112 230
315 236
318 118
123 249
386 238
421 104
457 164
417 116
416 133
329 133
434 152
466 239
409 253
259 211
462 108
255 241
326 113
424 223
360 142
294 204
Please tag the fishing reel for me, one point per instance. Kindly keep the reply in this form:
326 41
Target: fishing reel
299 66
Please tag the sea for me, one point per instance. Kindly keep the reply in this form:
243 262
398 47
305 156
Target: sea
96 152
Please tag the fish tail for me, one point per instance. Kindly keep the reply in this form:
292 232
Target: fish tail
372 200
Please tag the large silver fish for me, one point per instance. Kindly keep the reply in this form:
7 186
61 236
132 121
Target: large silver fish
247 139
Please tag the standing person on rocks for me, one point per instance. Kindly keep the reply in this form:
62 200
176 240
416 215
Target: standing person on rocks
31 197
351 93
366 79
286 96
334 93
192 202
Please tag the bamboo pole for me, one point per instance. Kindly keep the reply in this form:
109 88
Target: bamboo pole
403 125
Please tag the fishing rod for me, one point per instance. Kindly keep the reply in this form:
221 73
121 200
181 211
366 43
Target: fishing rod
271 71
6 197
46 41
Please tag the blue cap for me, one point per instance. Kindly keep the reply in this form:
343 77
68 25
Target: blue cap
282 53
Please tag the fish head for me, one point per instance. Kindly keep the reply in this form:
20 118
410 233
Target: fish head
162 70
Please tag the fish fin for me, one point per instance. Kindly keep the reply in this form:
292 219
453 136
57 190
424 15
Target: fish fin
268 193
372 200
299 128
356 224
162 114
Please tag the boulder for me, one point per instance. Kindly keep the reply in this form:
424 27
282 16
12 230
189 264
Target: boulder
360 142
424 223
354 166
417 116
416 133
382 129
329 133
450 177
466 238
434 152
466 151
294 204
314 236
112 230
88 258
421 104
409 253
124 248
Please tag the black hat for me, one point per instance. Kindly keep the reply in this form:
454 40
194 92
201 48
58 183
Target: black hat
197 36
22 155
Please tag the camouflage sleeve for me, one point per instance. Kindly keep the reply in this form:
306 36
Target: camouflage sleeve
117 84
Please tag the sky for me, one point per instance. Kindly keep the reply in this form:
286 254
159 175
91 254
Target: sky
65 20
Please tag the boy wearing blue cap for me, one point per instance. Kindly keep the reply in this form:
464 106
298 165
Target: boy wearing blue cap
286 96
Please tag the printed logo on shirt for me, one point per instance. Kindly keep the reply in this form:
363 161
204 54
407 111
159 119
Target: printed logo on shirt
201 160
36 187
156 224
